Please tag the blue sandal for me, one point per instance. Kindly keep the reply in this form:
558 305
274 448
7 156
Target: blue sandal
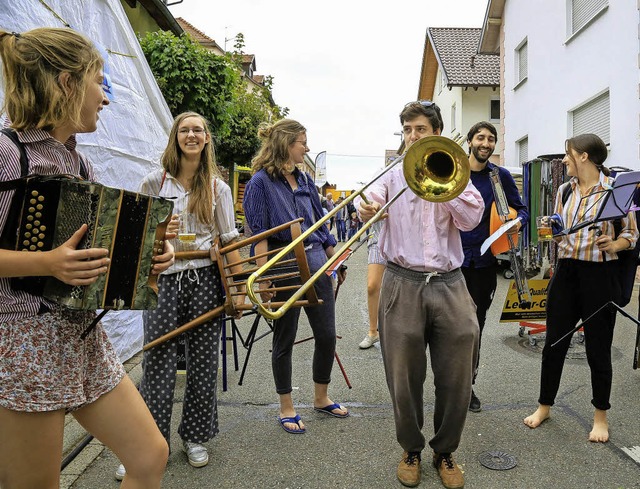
329 410
295 420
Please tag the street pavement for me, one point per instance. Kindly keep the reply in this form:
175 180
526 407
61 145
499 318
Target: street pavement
252 450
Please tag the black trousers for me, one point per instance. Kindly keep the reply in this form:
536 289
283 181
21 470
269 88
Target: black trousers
578 289
481 284
322 322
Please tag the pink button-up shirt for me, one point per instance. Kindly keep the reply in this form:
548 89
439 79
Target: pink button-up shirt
420 235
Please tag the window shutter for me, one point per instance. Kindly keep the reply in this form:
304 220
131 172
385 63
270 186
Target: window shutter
594 117
582 11
522 62
523 150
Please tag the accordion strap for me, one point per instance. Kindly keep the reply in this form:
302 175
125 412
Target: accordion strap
93 324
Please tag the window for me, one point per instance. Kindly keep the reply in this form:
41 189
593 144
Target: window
582 12
443 80
494 111
523 150
521 62
453 118
593 117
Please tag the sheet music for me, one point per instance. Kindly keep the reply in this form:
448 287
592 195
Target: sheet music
620 198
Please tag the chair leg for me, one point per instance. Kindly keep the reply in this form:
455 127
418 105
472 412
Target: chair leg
224 354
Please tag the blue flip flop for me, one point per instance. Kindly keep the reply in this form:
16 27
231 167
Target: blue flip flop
329 410
295 420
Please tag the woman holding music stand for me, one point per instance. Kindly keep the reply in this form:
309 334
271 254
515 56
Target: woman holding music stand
585 279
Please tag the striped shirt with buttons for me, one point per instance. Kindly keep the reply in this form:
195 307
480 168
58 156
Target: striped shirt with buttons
47 156
581 244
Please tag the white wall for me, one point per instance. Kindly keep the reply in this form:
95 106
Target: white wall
477 107
563 73
471 106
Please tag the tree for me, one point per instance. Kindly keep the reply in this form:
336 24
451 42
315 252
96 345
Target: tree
193 78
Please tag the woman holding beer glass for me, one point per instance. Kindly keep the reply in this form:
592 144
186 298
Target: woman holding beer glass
190 288
585 279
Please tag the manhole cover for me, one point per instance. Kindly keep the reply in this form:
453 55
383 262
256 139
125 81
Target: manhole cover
498 460
576 349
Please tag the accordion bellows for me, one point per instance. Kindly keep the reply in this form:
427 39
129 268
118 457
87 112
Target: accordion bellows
130 225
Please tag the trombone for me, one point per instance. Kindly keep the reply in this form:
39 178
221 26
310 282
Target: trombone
436 169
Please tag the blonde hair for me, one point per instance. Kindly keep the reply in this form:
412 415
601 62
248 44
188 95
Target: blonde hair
201 195
276 139
33 62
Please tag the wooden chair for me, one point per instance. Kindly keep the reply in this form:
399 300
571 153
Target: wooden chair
291 269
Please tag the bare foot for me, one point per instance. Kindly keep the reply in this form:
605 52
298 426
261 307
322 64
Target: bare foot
537 418
600 431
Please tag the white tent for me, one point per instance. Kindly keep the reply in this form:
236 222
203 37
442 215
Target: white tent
133 129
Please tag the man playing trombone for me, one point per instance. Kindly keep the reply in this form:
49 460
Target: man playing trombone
424 300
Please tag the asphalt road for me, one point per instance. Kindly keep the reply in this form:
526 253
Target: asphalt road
361 451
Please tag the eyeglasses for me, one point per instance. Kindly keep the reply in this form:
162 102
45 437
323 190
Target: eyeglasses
304 143
198 131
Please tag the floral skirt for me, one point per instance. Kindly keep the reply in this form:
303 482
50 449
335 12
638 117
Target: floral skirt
46 366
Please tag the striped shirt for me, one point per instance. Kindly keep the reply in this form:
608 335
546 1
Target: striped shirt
47 156
224 224
581 244
269 203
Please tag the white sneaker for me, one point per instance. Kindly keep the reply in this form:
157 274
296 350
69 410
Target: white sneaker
369 341
120 472
196 453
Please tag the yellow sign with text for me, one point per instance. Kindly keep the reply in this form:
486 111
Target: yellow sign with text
512 312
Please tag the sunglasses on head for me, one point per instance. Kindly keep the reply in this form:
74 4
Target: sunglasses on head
423 103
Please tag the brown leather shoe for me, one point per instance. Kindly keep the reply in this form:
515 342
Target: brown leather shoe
449 472
409 469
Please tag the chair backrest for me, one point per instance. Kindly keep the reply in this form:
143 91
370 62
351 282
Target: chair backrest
291 271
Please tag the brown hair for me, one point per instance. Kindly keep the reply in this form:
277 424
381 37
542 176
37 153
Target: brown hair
201 194
32 64
426 108
276 139
593 146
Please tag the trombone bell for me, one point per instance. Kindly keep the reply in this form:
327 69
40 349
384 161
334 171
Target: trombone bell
436 169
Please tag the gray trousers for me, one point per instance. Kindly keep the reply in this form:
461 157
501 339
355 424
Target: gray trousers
181 298
415 314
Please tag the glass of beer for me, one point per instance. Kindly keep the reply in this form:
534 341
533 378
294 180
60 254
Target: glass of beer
187 228
543 224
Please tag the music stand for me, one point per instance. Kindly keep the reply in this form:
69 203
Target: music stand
617 201
636 351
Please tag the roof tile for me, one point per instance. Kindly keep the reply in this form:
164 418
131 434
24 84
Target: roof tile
457 51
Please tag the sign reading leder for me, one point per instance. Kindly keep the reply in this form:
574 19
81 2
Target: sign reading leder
512 312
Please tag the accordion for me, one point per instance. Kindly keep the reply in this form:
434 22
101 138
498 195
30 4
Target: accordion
130 225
